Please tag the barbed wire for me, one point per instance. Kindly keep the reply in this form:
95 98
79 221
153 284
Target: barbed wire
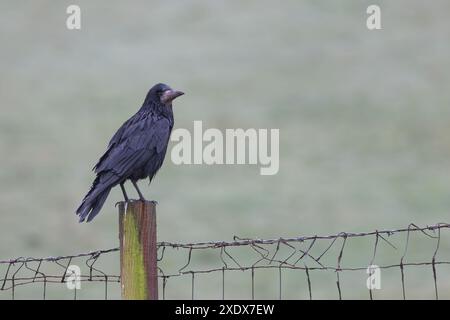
305 254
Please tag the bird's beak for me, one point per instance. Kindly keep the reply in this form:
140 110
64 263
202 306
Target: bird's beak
169 95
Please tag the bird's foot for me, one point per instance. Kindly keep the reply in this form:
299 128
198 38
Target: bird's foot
134 200
117 203
126 201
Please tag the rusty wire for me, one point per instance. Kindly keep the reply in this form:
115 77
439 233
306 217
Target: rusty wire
281 254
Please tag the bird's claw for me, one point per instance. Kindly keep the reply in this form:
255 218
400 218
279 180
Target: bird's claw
124 201
133 200
119 202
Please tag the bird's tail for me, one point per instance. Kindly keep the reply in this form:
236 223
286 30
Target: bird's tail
95 198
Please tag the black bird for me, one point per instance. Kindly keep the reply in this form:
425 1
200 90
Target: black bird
135 152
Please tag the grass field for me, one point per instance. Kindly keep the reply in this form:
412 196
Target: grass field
363 118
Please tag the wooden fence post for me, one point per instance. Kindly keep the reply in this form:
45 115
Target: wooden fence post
138 250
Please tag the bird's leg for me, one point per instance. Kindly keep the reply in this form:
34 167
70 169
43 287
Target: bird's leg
138 191
124 192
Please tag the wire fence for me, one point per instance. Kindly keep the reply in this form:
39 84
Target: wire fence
240 267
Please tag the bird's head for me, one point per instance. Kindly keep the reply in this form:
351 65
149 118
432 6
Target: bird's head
162 93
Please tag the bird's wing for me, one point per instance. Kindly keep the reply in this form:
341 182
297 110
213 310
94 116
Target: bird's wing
138 143
117 138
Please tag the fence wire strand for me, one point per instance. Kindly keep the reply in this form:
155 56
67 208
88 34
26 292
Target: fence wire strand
305 254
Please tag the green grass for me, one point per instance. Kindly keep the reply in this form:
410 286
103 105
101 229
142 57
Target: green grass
363 119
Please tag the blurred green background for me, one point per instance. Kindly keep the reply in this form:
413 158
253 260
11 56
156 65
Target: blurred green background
363 118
